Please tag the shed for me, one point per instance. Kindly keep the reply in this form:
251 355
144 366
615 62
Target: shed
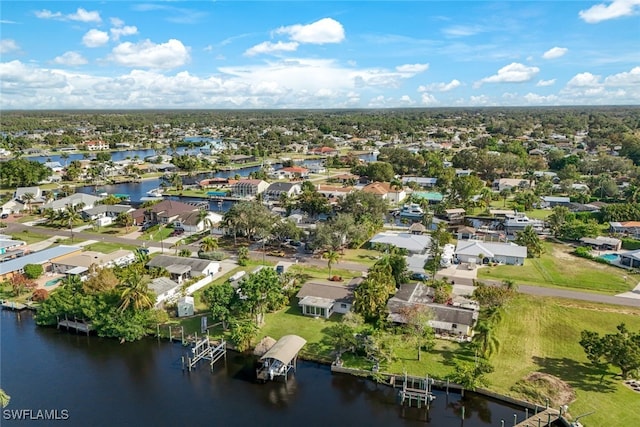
280 358
186 306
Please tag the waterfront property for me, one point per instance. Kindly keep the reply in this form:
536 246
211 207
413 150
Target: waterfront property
414 243
78 263
277 189
46 258
106 211
281 358
601 243
87 201
322 299
183 268
248 188
630 259
164 212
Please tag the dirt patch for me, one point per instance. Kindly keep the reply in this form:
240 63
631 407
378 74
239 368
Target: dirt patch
537 387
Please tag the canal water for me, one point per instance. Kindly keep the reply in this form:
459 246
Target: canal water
100 382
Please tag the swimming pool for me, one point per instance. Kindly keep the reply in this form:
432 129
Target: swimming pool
610 257
52 282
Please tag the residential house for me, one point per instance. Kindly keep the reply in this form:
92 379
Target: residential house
295 172
386 192
476 251
10 248
164 288
413 243
432 197
455 215
275 191
553 201
444 319
38 196
333 191
322 299
241 159
183 268
96 145
194 222
82 261
86 201
324 151
627 228
164 212
316 168
44 257
509 183
629 259
248 188
466 233
421 181
601 243
106 211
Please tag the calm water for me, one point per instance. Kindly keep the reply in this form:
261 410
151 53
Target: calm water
103 383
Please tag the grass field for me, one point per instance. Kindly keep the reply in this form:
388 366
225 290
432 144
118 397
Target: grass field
558 268
30 237
366 257
540 334
107 248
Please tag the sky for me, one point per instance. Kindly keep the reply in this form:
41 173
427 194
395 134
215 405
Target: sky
318 54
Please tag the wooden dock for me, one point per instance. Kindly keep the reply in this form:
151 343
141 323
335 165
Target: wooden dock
414 390
205 349
541 419
74 324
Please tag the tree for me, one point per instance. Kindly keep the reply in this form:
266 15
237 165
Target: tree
184 252
416 326
471 375
28 199
557 219
70 216
20 172
529 238
124 219
332 257
242 333
439 237
100 280
33 271
372 294
134 292
342 337
465 187
209 244
621 349
20 283
243 256
218 299
259 293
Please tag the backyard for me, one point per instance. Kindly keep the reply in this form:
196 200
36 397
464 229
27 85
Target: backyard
558 268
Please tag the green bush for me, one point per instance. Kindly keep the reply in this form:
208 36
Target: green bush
583 252
33 271
213 256
630 244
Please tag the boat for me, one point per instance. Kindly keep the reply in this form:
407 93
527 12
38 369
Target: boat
519 221
155 192
412 210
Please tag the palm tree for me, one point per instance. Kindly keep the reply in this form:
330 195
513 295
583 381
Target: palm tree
71 215
28 198
134 292
529 238
332 257
177 245
208 244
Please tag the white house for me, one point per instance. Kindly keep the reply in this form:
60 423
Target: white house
476 251
192 222
413 243
182 268
248 187
277 189
87 201
384 191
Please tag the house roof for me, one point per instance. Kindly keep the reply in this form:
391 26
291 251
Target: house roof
475 247
282 186
417 227
408 241
601 240
380 188
96 210
166 207
191 218
88 258
295 169
74 199
420 180
161 285
329 291
196 264
39 257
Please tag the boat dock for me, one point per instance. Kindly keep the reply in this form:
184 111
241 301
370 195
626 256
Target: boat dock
74 324
545 418
205 349
280 358
413 390
15 306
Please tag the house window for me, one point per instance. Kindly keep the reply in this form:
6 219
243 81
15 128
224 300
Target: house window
343 305
454 326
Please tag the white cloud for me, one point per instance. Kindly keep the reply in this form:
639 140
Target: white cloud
440 87
19 79
268 47
512 73
147 54
428 99
70 58
462 30
81 15
326 30
535 99
95 38
8 45
116 22
127 30
406 100
412 69
615 9
555 52
631 78
584 80
544 83
6 21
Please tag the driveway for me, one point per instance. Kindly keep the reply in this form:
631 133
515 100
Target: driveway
459 274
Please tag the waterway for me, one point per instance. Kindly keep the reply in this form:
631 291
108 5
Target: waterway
99 382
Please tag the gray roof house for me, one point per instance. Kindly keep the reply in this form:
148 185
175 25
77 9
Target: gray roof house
275 190
413 243
21 191
445 319
322 299
101 211
88 201
181 268
164 288
504 253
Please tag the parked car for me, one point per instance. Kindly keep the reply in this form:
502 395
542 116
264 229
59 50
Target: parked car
277 253
4 216
419 276
295 243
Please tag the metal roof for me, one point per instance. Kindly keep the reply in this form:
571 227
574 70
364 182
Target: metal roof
285 349
39 257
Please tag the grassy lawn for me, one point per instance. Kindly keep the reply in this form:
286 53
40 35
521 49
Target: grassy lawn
157 234
322 273
111 230
107 248
539 334
30 237
558 268
367 257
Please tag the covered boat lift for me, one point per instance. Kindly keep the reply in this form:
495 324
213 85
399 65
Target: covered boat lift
281 358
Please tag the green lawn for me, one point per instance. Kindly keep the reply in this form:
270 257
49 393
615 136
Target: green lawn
30 237
558 268
157 234
367 257
322 273
107 248
542 334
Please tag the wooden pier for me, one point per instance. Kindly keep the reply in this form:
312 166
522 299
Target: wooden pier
74 324
204 349
545 418
415 390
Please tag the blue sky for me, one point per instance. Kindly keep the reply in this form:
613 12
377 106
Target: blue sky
317 54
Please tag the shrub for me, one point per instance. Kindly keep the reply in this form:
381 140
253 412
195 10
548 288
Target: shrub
630 244
33 271
213 256
40 295
583 252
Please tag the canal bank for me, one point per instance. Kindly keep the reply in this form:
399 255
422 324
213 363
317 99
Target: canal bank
101 382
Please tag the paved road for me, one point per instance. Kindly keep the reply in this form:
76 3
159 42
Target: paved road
16 228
